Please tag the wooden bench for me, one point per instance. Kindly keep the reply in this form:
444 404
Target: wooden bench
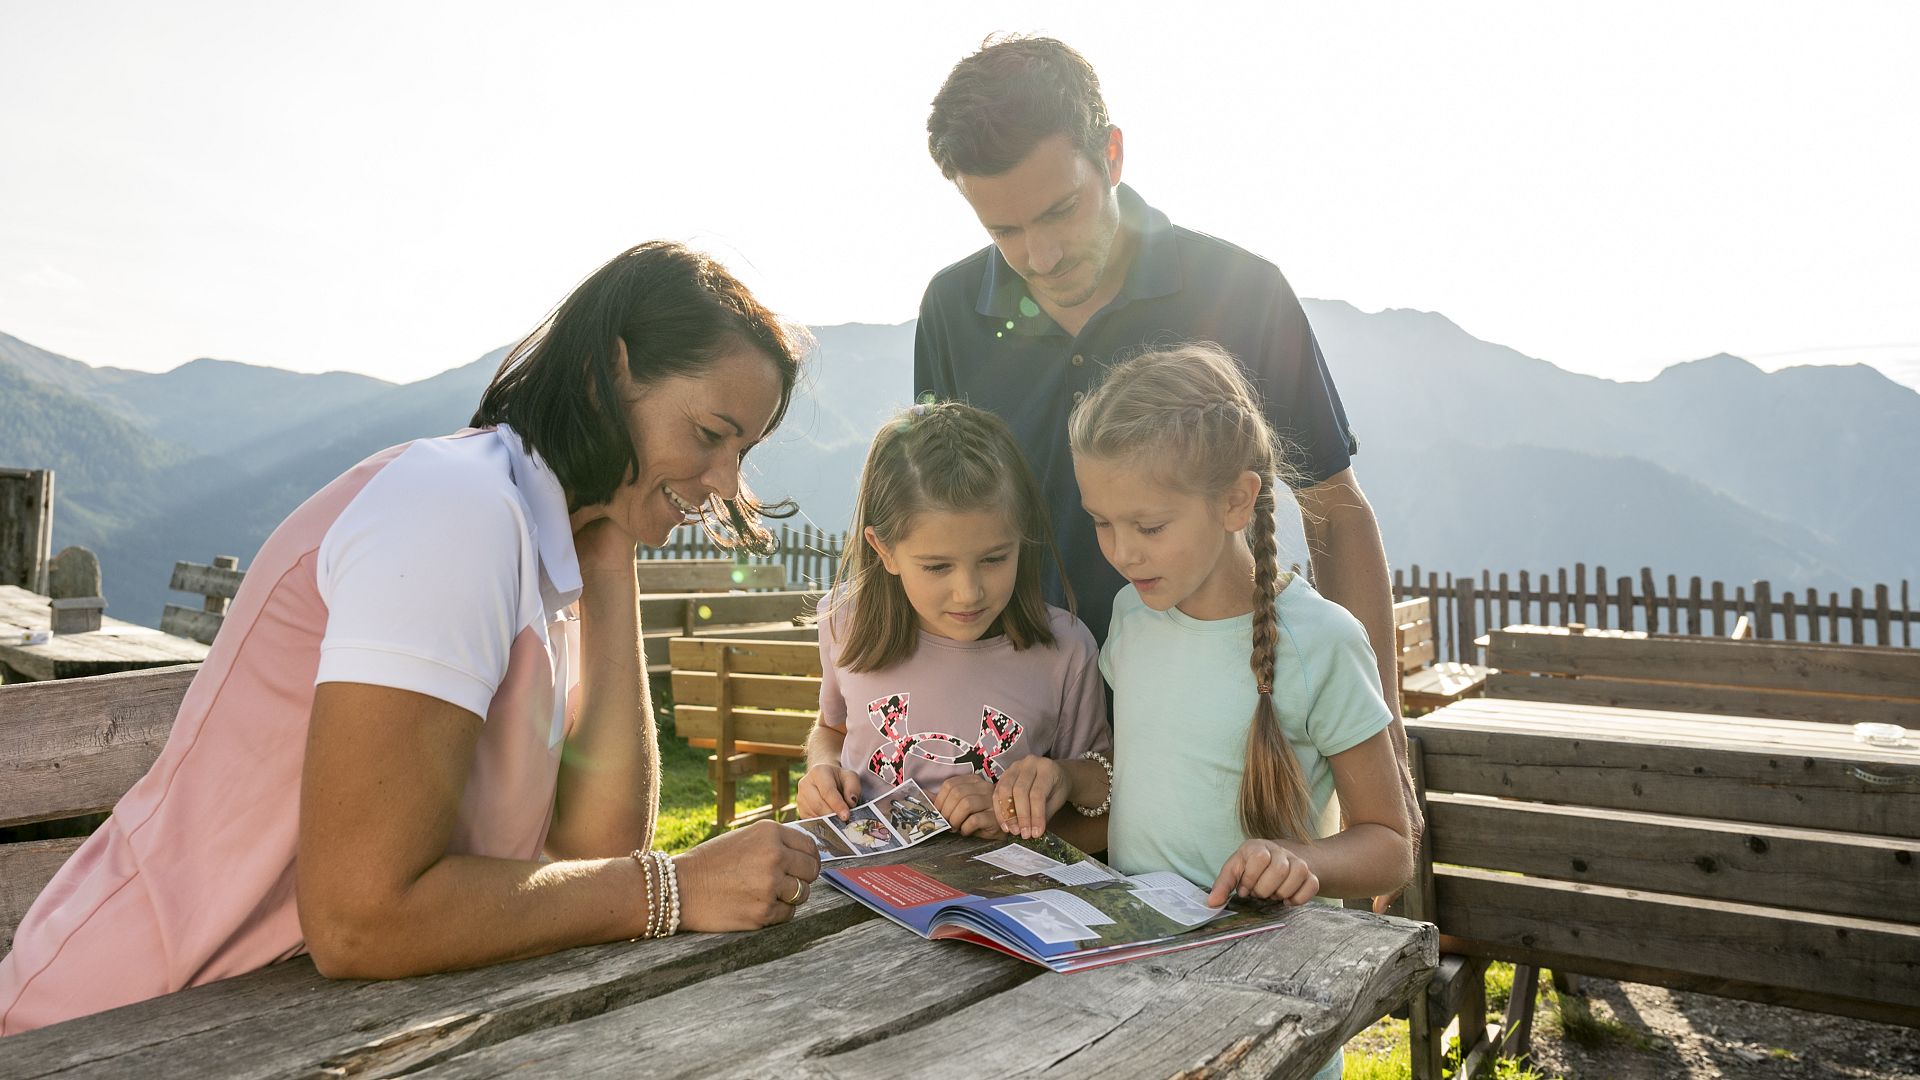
762 616
752 703
1788 680
216 584
68 749
707 575
1427 683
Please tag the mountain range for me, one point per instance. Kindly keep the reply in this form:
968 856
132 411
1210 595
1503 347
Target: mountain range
1474 455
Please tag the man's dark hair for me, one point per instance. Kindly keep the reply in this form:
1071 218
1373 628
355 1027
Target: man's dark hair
678 311
999 103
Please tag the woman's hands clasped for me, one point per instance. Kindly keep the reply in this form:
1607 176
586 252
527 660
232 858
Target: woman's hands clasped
746 879
1265 870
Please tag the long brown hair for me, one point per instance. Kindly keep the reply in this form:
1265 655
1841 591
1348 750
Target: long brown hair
949 458
1188 415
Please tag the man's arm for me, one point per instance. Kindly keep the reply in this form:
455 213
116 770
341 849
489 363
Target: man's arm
1350 568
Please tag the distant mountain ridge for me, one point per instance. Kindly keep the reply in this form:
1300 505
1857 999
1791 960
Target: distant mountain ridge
1474 455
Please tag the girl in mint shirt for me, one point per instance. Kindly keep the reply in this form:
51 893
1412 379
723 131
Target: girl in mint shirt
1243 700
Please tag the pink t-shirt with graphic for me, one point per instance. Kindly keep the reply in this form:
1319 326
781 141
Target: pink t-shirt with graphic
960 707
444 567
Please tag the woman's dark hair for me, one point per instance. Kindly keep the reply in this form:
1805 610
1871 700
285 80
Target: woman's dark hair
677 310
999 103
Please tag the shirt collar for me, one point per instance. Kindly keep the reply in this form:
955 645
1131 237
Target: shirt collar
1155 270
552 526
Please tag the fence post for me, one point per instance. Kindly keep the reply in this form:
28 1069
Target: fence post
26 527
1464 615
1881 615
1763 609
1623 599
1653 599
1600 597
1859 627
1813 615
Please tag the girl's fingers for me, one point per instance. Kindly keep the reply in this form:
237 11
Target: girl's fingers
1222 890
1258 858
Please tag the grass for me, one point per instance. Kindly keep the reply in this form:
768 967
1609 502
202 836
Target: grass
1381 1052
686 795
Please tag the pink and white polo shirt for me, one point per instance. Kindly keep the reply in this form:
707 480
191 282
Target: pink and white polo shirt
443 566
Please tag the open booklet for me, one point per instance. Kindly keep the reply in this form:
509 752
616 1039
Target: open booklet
1046 902
899 818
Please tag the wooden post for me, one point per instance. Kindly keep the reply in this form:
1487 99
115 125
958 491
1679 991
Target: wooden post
1653 600
1719 609
725 800
218 604
1833 617
26 527
1599 597
1504 621
1464 619
1859 628
1906 617
1789 616
1813 615
1881 629
1623 598
1524 581
1763 610
1580 598
1693 606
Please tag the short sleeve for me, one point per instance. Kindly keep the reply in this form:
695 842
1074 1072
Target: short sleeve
1302 403
421 576
1083 699
833 704
1348 708
931 373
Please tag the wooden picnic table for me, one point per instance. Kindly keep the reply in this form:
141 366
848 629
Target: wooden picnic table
837 992
116 646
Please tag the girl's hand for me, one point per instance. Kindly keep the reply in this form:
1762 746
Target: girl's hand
967 804
746 879
1265 870
827 789
1031 791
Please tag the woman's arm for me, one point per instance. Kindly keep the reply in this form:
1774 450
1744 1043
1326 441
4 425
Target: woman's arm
606 797
380 897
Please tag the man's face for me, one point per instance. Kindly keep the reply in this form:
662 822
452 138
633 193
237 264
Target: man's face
1054 217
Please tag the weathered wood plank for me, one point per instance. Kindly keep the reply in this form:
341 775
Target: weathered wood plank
1804 869
217 581
116 646
724 609
749 691
191 623
657 644
1685 697
1857 966
706 575
749 725
74 747
749 657
25 869
1633 769
1862 672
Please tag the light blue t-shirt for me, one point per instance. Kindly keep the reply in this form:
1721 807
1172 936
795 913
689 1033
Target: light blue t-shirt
1183 698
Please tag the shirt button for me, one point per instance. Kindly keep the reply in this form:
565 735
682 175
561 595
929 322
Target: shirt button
1078 359
1079 396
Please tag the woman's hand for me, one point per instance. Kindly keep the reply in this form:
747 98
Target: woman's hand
1029 794
747 879
827 789
967 804
1265 870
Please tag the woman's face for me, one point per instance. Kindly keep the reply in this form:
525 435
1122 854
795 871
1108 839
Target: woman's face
690 433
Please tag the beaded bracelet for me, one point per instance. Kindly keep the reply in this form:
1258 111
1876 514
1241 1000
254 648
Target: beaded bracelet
662 884
1095 755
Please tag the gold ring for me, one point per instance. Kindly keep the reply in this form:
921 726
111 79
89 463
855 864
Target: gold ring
799 893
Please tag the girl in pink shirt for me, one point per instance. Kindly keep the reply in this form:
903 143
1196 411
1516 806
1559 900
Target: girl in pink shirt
940 662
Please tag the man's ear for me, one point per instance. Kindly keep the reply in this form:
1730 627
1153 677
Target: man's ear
1240 498
886 557
1116 155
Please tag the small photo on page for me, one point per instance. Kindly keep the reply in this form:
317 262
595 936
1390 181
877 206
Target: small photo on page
831 844
1188 906
865 831
1019 860
911 814
1046 922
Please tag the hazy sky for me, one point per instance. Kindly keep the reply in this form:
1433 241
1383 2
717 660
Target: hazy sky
395 187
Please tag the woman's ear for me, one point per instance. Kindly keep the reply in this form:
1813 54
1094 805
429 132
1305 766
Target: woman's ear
886 557
1240 498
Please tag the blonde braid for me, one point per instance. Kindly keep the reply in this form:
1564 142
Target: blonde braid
1273 790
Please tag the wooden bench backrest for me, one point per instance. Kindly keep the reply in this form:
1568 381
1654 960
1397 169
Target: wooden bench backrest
71 748
218 583
774 688
706 575
1413 621
758 616
1786 680
1655 853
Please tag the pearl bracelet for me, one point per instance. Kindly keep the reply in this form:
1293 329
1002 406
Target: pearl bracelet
662 883
1095 755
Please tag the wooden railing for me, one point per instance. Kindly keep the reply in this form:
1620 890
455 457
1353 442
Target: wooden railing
1466 606
810 554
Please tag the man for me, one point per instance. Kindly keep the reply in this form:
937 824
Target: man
1081 273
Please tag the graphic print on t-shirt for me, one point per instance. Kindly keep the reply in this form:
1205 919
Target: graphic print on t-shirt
998 733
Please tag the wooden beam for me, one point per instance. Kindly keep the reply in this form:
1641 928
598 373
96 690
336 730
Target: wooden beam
749 691
749 657
1869 672
75 746
216 581
25 869
1699 698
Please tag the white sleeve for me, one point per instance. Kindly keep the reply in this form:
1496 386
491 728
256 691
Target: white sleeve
421 575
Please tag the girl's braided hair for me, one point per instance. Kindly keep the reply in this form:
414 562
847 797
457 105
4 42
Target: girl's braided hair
1189 416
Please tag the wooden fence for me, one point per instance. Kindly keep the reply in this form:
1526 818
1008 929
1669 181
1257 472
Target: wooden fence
1466 606
810 554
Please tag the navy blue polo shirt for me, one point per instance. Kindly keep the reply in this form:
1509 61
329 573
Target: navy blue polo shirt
984 340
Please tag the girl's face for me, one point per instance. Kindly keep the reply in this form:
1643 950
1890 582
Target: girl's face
957 569
1176 548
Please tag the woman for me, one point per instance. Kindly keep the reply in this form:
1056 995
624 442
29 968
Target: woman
431 684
